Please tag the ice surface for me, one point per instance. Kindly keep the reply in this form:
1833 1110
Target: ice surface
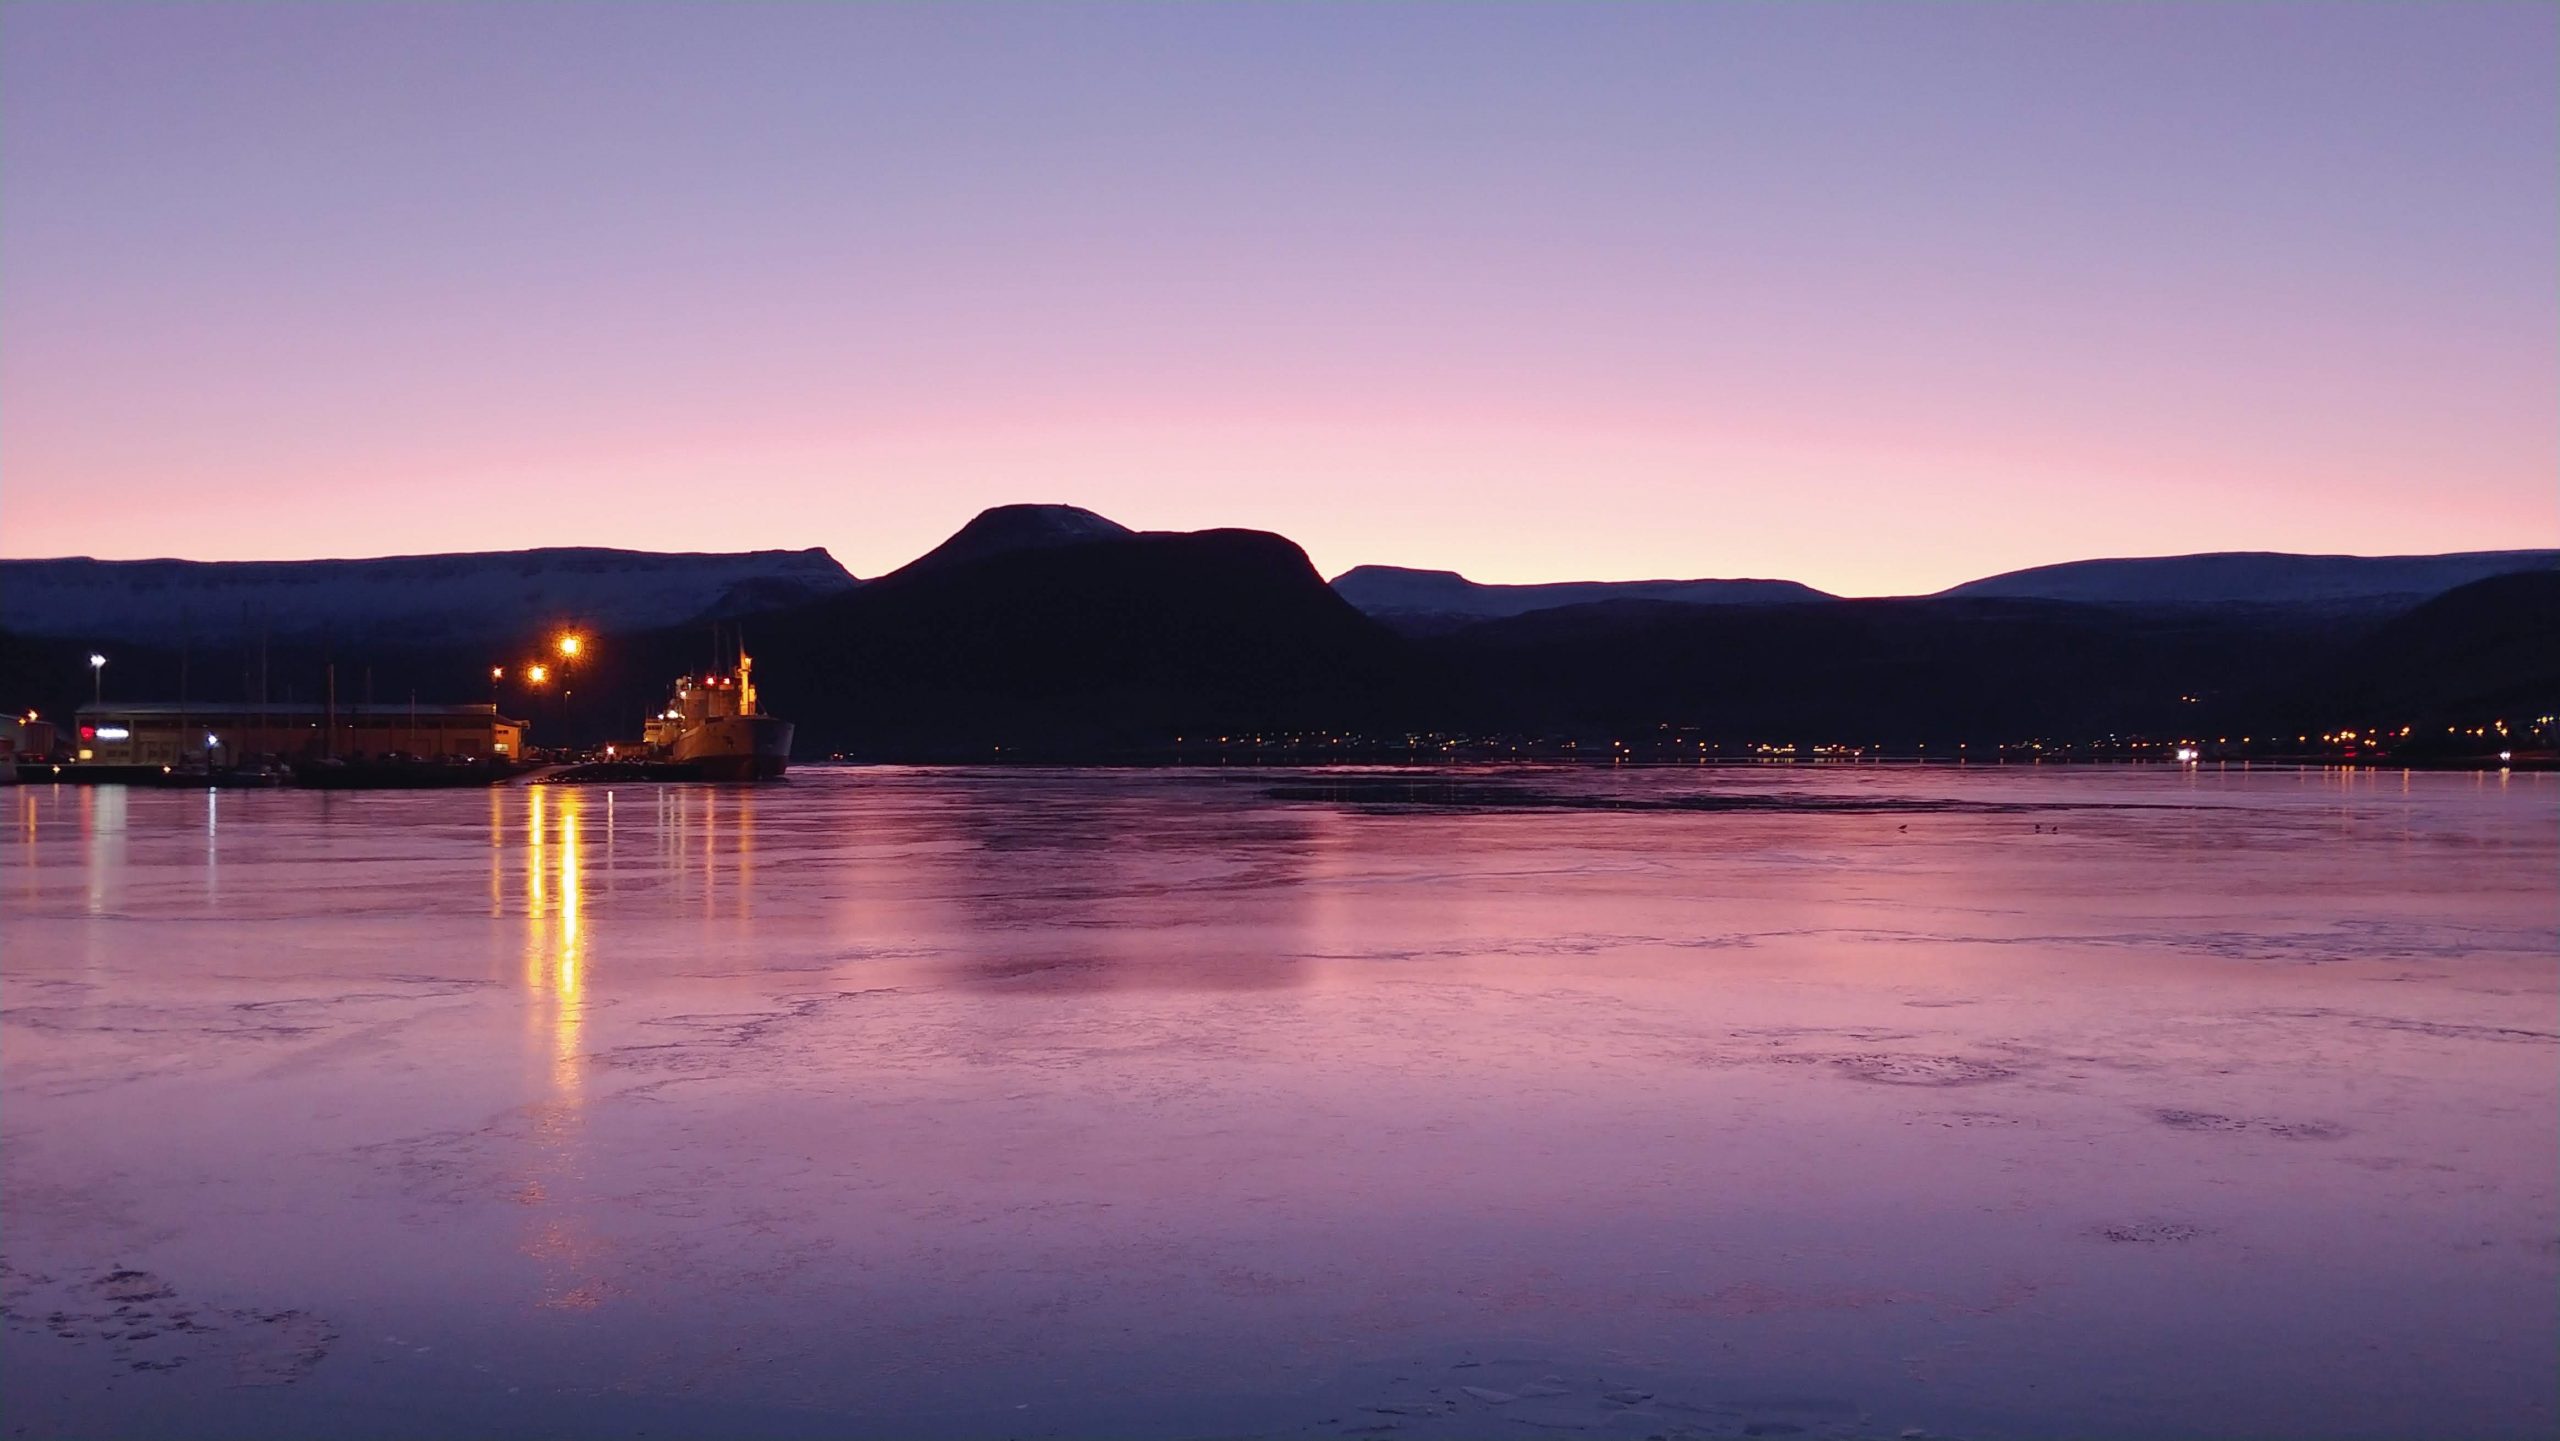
2002 1102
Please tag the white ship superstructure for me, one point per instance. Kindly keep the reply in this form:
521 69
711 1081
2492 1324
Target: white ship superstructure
714 724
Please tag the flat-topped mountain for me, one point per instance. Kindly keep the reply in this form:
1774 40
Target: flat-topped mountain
1418 601
404 599
1113 641
2252 577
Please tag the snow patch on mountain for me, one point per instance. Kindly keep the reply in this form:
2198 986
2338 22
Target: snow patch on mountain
1425 597
2255 578
1004 529
411 599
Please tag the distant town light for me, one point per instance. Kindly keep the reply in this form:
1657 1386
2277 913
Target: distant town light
2505 756
2187 753
571 644
96 660
497 672
537 673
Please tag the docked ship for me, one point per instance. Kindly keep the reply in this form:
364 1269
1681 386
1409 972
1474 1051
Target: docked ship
713 725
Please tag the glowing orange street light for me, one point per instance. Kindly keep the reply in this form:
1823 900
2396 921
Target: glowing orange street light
537 673
571 644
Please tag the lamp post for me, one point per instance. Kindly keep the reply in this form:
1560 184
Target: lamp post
535 674
571 645
97 679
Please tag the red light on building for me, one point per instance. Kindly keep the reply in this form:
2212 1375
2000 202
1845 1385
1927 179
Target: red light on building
88 733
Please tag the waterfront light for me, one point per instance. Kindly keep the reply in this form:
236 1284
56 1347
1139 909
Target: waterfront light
571 644
497 673
537 674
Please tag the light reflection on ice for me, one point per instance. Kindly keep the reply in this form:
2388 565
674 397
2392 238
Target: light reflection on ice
1140 1103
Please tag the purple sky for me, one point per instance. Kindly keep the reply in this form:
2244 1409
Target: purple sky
1879 299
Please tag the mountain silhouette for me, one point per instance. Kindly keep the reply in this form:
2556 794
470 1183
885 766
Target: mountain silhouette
1110 641
1049 631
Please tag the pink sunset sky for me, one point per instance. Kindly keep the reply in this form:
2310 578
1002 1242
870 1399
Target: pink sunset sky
1879 299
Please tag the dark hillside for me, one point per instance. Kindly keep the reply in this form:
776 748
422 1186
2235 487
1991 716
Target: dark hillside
2481 652
1894 671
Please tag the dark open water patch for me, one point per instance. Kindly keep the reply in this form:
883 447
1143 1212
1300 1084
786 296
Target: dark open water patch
146 1325
2180 1120
1455 793
2152 1233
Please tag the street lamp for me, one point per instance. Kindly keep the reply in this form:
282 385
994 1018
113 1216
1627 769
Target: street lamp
97 678
571 645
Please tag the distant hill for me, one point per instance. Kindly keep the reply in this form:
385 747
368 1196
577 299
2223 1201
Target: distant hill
1004 529
412 600
2254 578
1430 601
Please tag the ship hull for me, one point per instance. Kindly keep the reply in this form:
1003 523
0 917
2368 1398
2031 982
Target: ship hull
736 748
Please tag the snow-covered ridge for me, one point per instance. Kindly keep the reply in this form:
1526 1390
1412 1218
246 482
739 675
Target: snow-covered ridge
2256 577
414 599
1394 590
